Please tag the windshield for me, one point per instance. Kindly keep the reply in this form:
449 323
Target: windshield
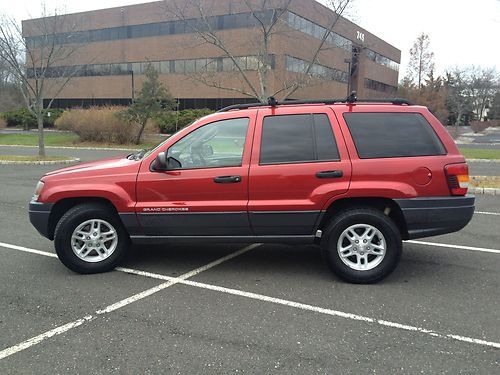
145 152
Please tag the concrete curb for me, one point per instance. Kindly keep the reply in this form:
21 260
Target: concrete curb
40 162
483 160
78 148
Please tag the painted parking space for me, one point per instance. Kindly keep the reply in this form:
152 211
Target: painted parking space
38 295
219 333
274 308
312 308
213 328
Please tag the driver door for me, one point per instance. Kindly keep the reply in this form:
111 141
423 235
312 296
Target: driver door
205 192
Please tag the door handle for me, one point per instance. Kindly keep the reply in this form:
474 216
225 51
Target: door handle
227 179
329 174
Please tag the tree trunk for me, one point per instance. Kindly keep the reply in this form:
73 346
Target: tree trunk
139 134
41 140
457 124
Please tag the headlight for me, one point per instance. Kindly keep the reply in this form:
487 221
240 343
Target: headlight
38 190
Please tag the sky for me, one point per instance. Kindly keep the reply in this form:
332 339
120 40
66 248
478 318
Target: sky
462 32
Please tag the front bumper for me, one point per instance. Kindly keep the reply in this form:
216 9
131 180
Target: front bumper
39 217
436 215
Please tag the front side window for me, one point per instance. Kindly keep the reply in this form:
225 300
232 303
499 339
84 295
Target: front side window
215 145
297 138
390 135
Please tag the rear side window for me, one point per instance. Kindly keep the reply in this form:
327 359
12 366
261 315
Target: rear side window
296 139
388 135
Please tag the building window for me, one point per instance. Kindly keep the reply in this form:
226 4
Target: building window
304 25
380 86
293 64
162 67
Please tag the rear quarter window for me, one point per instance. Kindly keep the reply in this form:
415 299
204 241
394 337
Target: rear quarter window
390 135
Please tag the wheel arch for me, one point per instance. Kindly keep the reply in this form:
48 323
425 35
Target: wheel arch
63 205
385 205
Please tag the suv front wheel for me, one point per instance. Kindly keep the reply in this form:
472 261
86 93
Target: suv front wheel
362 245
90 239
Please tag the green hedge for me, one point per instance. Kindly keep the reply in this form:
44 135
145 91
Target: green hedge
23 117
167 121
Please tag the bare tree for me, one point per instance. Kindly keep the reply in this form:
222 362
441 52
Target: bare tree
421 60
470 90
41 64
484 83
268 19
458 94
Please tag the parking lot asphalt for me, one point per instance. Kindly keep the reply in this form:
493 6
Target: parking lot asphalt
270 309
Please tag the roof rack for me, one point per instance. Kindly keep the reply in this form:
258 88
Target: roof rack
351 99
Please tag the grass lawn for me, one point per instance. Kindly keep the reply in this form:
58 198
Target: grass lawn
485 181
480 153
60 139
31 139
32 158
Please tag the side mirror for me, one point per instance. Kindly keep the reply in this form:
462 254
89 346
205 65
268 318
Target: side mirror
160 163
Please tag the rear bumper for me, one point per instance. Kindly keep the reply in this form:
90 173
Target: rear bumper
39 217
436 215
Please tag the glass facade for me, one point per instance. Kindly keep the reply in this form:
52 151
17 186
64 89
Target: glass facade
293 64
379 86
382 60
163 67
303 25
228 21
223 22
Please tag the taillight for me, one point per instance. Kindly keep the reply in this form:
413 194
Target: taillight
457 176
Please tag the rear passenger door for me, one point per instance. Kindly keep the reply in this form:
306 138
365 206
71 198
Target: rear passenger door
299 162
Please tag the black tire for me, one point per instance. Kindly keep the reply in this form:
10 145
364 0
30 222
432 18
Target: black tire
362 216
73 218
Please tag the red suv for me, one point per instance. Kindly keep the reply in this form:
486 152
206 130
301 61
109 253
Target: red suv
354 177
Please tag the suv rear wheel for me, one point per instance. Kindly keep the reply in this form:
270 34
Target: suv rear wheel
90 239
362 245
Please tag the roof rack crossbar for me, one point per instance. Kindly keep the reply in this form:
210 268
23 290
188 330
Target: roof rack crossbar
349 100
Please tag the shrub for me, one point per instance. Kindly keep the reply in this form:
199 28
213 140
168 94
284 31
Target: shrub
167 120
479 126
23 117
20 117
97 124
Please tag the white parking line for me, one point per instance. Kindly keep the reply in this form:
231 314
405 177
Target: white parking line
183 280
487 213
317 309
451 246
27 250
38 339
171 282
66 327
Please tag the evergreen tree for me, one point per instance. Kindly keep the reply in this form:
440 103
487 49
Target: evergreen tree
151 100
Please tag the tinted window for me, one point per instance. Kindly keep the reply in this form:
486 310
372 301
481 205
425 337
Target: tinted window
385 135
297 138
218 144
325 142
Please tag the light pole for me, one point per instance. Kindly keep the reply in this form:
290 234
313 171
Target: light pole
348 62
131 72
